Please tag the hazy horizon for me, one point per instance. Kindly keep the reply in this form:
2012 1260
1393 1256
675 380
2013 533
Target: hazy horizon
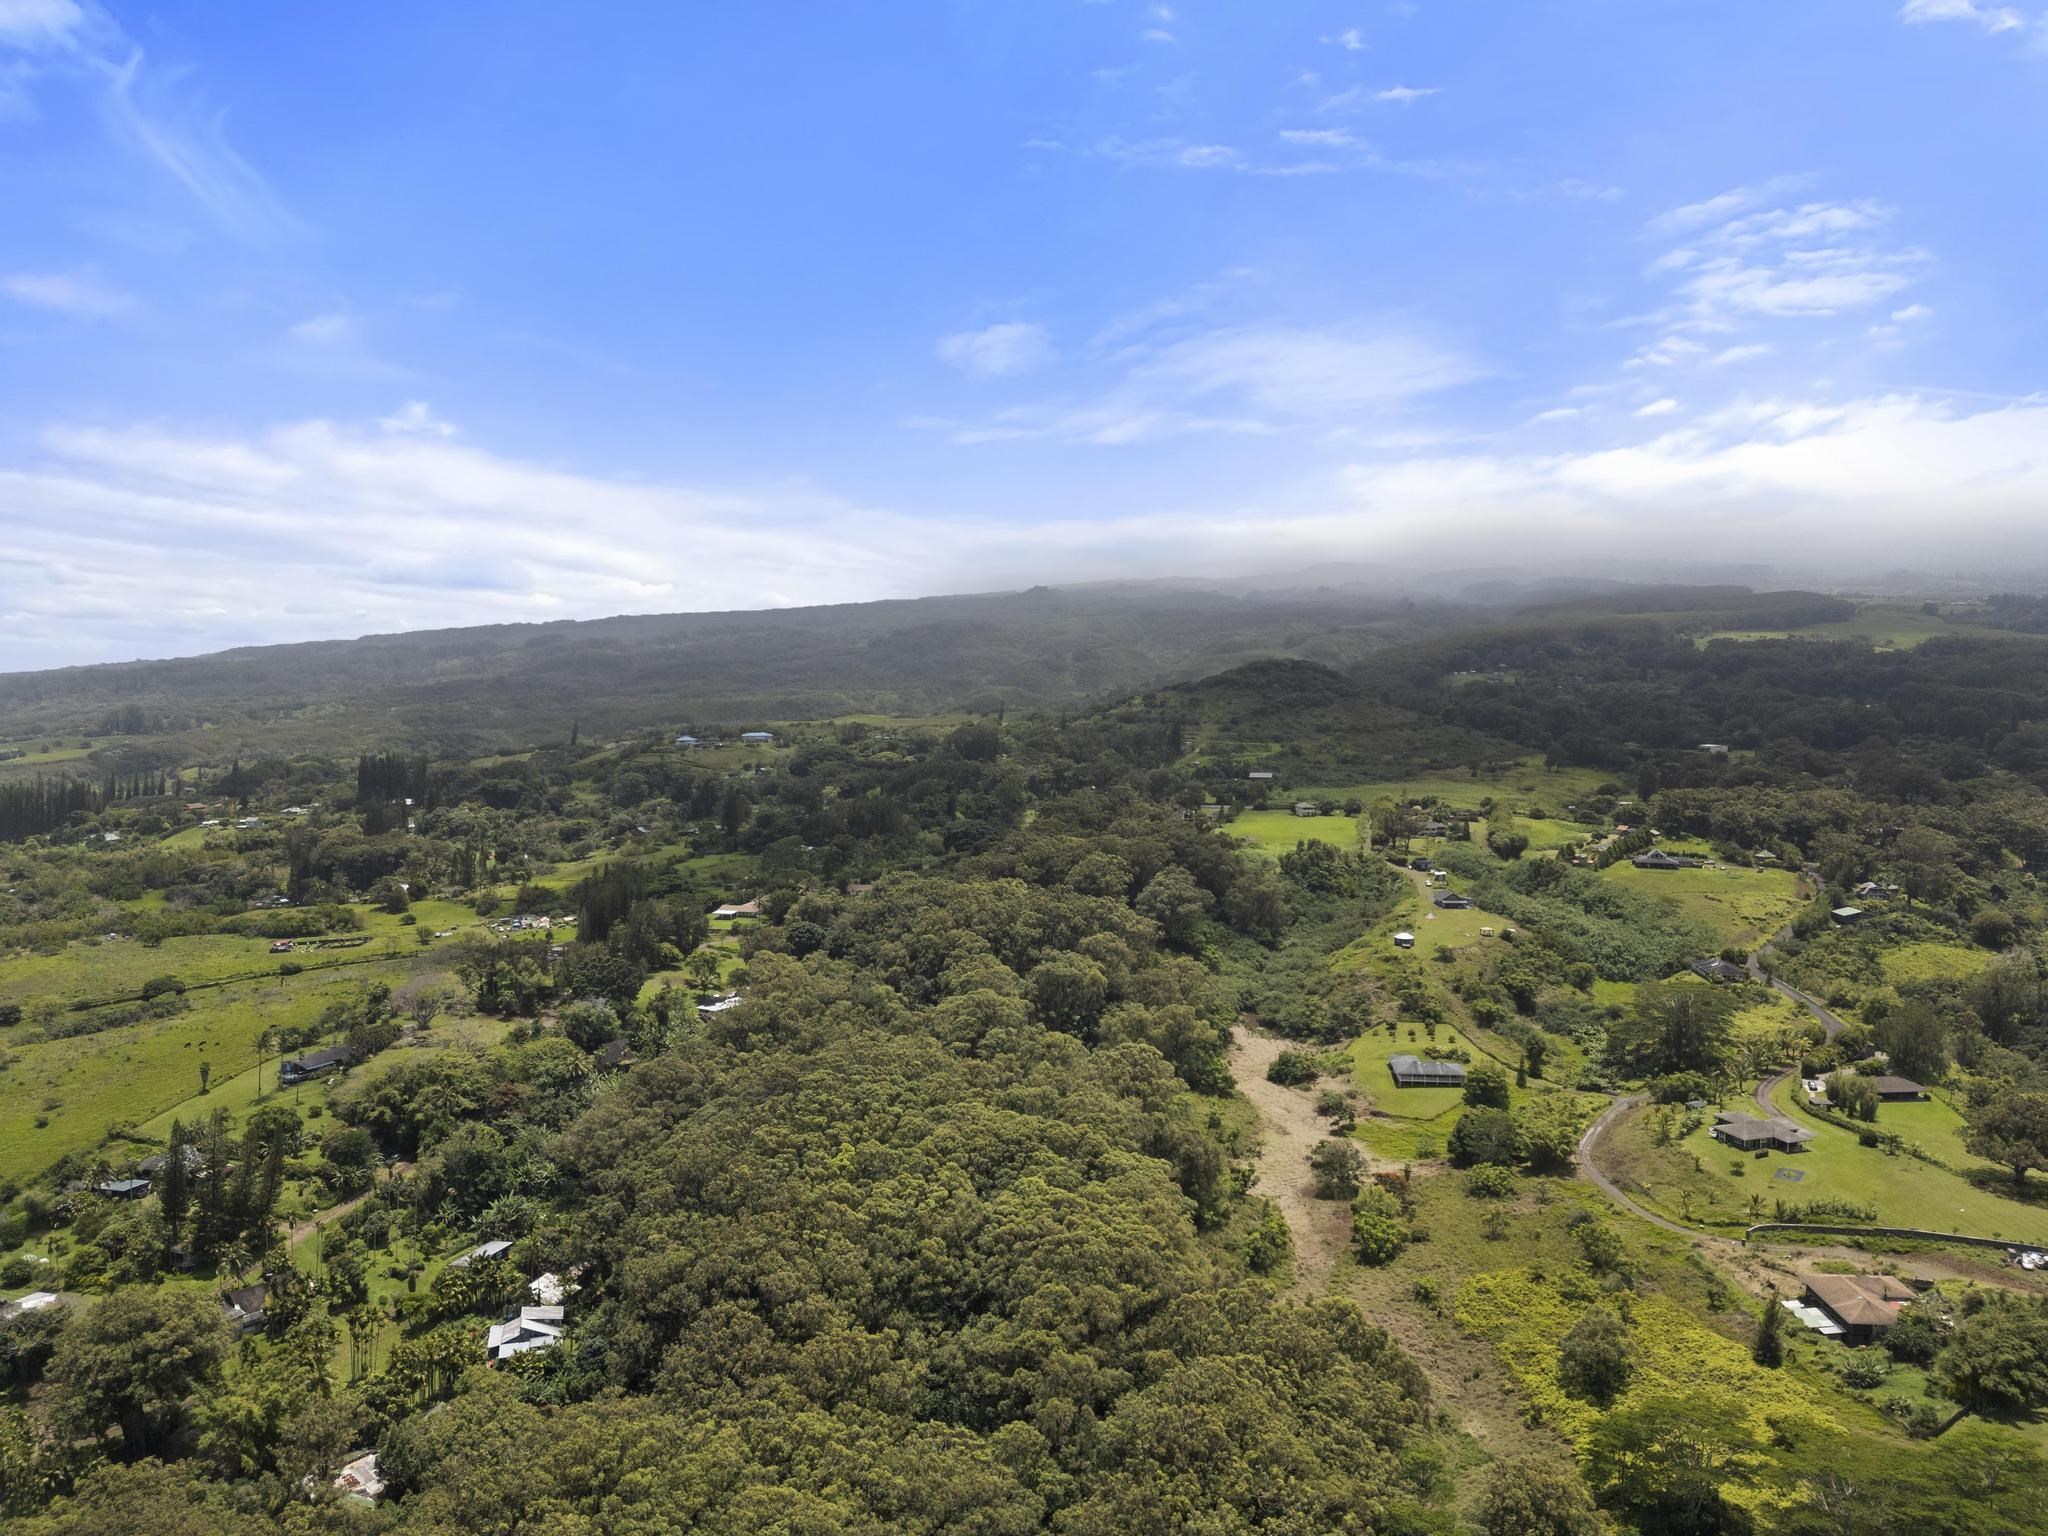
316 327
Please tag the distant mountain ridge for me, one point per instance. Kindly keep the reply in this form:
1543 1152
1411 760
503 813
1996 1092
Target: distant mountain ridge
455 691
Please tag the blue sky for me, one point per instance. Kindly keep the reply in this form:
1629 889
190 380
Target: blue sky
320 321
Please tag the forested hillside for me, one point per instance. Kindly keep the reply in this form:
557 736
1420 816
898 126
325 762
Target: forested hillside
996 1123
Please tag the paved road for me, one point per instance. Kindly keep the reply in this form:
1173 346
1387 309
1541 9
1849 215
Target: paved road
1607 1186
1785 989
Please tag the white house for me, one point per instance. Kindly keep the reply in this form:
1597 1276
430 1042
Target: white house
533 1328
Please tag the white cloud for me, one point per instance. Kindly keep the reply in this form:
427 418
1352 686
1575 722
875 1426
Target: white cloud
1155 35
998 351
1912 312
1331 138
1741 354
326 330
191 145
1351 40
134 541
71 293
1665 407
1866 470
40 24
1402 95
1812 259
1255 380
1557 413
1992 18
416 416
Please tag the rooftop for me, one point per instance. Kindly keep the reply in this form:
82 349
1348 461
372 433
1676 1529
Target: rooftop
1862 1301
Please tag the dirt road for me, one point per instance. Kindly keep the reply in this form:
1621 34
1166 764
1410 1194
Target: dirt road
1289 1129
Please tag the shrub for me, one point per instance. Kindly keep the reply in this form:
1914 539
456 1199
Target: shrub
1593 1361
1376 1228
1337 1167
1600 1245
158 986
1486 1087
1864 1369
1293 1069
1485 1136
1490 1181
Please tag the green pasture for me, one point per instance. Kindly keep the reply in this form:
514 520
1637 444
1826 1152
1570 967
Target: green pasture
138 1072
1529 782
1740 905
1924 961
1698 1180
1276 832
1884 626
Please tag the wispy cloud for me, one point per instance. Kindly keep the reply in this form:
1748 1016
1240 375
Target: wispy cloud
1665 407
1351 40
190 144
1810 260
38 25
326 330
1403 95
1251 380
998 351
1992 18
416 417
79 293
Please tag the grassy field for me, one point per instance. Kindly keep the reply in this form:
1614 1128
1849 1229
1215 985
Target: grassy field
1483 1305
1740 905
1932 962
1526 783
1276 832
1698 1180
1884 626
1545 833
80 1086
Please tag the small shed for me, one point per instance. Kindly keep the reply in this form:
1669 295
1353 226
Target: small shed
482 1251
1844 916
1404 940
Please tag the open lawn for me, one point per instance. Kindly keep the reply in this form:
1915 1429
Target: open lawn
1545 833
1528 783
80 1086
1276 832
1410 1124
1740 905
1698 1180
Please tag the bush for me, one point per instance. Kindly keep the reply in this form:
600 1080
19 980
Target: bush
1485 1136
1293 1069
1377 1231
1680 1087
1593 1361
1864 1369
1486 1087
1337 1166
159 986
1490 1181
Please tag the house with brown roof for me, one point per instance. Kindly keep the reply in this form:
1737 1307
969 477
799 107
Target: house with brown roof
1748 1134
1891 1087
1864 1305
